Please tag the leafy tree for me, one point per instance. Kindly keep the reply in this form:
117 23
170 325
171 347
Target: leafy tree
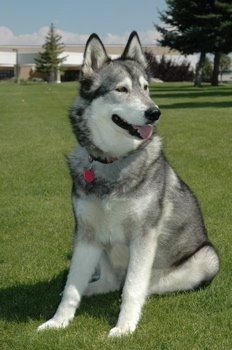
225 64
48 61
194 26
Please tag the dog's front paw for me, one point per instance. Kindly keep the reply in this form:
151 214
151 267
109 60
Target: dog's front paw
117 332
53 324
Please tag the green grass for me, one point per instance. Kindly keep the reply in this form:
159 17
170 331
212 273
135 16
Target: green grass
36 221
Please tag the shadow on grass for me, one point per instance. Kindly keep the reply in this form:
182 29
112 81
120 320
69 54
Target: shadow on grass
22 303
184 88
209 104
39 302
187 92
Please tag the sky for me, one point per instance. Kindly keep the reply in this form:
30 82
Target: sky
26 22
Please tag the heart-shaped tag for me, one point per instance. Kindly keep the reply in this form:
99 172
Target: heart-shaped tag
89 175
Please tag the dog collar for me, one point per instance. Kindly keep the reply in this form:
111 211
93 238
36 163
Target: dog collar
107 160
89 174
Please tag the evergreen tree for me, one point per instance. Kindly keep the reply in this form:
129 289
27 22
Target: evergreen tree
221 40
48 60
194 26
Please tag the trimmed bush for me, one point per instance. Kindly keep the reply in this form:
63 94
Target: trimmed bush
168 70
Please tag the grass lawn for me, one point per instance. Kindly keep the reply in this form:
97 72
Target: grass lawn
36 221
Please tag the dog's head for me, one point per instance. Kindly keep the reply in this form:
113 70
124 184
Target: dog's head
114 112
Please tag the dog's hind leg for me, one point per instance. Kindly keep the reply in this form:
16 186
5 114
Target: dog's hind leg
195 272
108 281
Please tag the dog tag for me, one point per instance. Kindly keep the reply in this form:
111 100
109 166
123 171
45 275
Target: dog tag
89 175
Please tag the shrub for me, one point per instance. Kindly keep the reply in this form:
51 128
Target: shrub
168 70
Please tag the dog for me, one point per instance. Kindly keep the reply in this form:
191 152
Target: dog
139 227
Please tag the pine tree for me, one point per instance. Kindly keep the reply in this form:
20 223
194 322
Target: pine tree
198 27
184 30
221 24
48 61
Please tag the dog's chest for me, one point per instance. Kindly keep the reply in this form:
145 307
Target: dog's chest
108 220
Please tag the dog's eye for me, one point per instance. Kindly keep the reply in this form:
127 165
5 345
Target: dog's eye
122 89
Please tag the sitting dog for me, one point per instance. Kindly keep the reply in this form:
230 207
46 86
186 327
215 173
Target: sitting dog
139 226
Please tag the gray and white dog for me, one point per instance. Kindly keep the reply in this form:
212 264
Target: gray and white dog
139 226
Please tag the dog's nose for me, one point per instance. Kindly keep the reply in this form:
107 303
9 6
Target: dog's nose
152 113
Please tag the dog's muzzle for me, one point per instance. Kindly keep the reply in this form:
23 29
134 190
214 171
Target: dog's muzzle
145 131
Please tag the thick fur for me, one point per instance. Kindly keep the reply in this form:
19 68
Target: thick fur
139 226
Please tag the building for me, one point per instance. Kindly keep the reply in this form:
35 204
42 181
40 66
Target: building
18 61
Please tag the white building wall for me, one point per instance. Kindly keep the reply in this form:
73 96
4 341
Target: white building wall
7 59
72 58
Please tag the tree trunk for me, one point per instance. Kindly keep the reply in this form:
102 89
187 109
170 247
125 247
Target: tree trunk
52 76
216 65
199 68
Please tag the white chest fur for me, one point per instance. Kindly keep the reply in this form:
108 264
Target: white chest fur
106 217
112 223
113 220
107 220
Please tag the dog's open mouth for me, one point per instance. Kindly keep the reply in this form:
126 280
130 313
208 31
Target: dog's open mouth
141 131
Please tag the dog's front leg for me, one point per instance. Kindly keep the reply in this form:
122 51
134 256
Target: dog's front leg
84 260
135 291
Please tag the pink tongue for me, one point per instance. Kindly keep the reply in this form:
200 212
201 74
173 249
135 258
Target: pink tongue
145 131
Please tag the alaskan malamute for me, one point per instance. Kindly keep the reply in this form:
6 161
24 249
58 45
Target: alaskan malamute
139 226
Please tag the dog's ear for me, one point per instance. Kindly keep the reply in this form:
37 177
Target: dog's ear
134 51
94 56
